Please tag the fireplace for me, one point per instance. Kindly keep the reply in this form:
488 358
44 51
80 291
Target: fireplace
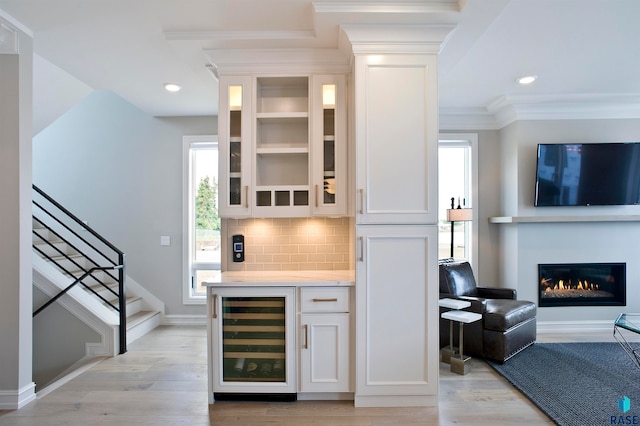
582 284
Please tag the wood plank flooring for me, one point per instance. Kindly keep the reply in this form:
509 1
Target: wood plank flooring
162 380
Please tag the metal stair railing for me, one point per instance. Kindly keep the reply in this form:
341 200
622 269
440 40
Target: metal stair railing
94 249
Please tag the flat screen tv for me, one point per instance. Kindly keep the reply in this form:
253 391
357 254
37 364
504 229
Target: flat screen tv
593 174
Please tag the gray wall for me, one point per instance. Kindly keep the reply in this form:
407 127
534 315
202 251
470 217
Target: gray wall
524 246
120 169
59 340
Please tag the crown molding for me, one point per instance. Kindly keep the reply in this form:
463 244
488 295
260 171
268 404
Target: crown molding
239 35
251 61
409 7
8 38
466 119
374 38
508 109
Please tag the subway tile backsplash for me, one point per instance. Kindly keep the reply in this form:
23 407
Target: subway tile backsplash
290 244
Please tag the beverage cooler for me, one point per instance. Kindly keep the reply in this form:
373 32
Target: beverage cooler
253 343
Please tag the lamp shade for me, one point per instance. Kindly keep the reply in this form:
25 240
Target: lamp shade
459 215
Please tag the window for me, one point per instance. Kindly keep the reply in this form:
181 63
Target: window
457 179
201 222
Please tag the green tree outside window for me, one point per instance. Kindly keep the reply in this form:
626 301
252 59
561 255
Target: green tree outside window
206 205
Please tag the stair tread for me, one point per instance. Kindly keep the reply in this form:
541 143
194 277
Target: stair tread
140 317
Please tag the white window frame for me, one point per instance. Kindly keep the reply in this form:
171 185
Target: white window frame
469 140
187 218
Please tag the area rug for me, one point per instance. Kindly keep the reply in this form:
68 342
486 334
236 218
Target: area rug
577 383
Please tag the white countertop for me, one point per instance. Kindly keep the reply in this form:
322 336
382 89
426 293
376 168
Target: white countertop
283 278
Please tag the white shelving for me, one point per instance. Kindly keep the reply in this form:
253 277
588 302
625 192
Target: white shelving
563 219
283 146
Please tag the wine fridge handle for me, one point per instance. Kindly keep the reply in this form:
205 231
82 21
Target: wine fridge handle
215 306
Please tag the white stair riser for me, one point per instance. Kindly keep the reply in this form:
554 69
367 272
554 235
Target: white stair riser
134 307
143 328
73 265
55 249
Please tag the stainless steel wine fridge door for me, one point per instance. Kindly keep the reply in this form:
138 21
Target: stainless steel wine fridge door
254 340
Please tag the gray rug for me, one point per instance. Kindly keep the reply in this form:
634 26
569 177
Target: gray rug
577 383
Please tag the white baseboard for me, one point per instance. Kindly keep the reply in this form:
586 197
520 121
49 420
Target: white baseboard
16 399
185 320
70 373
574 326
395 401
325 396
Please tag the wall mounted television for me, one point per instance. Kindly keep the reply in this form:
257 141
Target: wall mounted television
590 174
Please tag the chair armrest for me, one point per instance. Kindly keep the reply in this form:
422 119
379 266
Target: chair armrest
497 293
477 304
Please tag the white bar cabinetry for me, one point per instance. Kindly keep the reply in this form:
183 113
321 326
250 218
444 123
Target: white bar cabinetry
325 339
396 131
282 146
234 145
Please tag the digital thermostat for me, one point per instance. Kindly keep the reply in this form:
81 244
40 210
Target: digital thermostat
238 248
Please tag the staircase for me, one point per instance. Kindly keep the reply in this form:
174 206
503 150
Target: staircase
85 274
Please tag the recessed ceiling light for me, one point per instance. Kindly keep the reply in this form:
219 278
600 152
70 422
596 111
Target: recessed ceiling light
172 87
528 79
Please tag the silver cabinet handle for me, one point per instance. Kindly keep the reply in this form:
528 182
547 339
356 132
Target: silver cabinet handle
215 306
316 196
361 246
333 299
246 196
306 336
361 191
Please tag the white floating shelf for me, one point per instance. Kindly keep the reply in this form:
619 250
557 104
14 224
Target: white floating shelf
563 219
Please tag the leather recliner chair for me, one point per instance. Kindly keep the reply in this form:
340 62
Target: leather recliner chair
507 326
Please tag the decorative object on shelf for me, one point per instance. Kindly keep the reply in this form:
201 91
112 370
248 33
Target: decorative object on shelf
458 214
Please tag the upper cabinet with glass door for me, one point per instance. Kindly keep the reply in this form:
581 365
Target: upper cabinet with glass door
234 139
329 146
283 151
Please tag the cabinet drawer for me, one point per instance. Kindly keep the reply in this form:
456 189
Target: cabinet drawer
324 299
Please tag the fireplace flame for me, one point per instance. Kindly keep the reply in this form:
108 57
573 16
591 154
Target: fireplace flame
566 288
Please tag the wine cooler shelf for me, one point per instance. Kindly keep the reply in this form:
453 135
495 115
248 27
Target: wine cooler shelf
254 342
254 369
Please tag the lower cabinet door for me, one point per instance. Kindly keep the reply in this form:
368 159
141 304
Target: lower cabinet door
397 315
324 353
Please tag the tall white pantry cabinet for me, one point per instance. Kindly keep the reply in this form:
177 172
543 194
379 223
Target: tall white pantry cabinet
396 126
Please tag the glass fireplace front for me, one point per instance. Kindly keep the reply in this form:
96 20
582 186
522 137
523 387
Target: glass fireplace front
582 284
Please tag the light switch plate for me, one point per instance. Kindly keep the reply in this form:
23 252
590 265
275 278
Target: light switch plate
165 240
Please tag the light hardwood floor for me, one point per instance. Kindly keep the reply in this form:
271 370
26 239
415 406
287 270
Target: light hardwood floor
162 380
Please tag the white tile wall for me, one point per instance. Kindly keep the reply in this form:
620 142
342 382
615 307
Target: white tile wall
291 244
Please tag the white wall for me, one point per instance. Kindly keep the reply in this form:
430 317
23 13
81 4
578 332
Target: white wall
54 92
524 246
16 53
121 170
